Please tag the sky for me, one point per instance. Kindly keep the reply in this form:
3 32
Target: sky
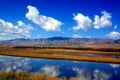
54 18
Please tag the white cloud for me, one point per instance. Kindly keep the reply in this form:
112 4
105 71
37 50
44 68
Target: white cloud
46 23
115 27
83 22
114 34
77 36
10 31
103 21
50 70
24 26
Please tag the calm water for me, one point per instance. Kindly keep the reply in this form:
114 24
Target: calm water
79 69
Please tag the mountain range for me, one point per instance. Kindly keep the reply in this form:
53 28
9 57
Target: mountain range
59 41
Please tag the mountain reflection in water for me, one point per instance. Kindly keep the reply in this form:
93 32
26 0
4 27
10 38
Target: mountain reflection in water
59 68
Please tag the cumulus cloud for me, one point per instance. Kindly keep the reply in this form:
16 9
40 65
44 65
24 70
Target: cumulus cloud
83 22
46 23
50 70
103 21
114 34
8 30
24 26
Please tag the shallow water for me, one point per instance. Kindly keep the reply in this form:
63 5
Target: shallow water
90 54
80 69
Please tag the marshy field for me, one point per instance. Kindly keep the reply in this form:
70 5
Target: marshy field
92 53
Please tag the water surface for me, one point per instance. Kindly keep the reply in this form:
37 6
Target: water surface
59 68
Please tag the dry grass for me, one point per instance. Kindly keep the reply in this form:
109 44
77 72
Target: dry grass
47 53
22 75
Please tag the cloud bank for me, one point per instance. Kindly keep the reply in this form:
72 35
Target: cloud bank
46 23
10 31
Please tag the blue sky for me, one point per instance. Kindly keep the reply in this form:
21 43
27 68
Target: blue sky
67 18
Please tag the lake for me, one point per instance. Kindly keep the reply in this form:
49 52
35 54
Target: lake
59 68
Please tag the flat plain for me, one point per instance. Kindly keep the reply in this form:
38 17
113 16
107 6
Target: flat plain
107 54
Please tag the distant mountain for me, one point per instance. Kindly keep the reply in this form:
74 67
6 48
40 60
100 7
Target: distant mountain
57 38
58 41
117 41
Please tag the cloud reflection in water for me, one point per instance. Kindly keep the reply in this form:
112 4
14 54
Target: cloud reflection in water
13 63
82 70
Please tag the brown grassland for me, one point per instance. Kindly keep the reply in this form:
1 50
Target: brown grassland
23 75
51 53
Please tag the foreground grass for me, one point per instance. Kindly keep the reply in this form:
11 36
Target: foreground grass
48 53
22 75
